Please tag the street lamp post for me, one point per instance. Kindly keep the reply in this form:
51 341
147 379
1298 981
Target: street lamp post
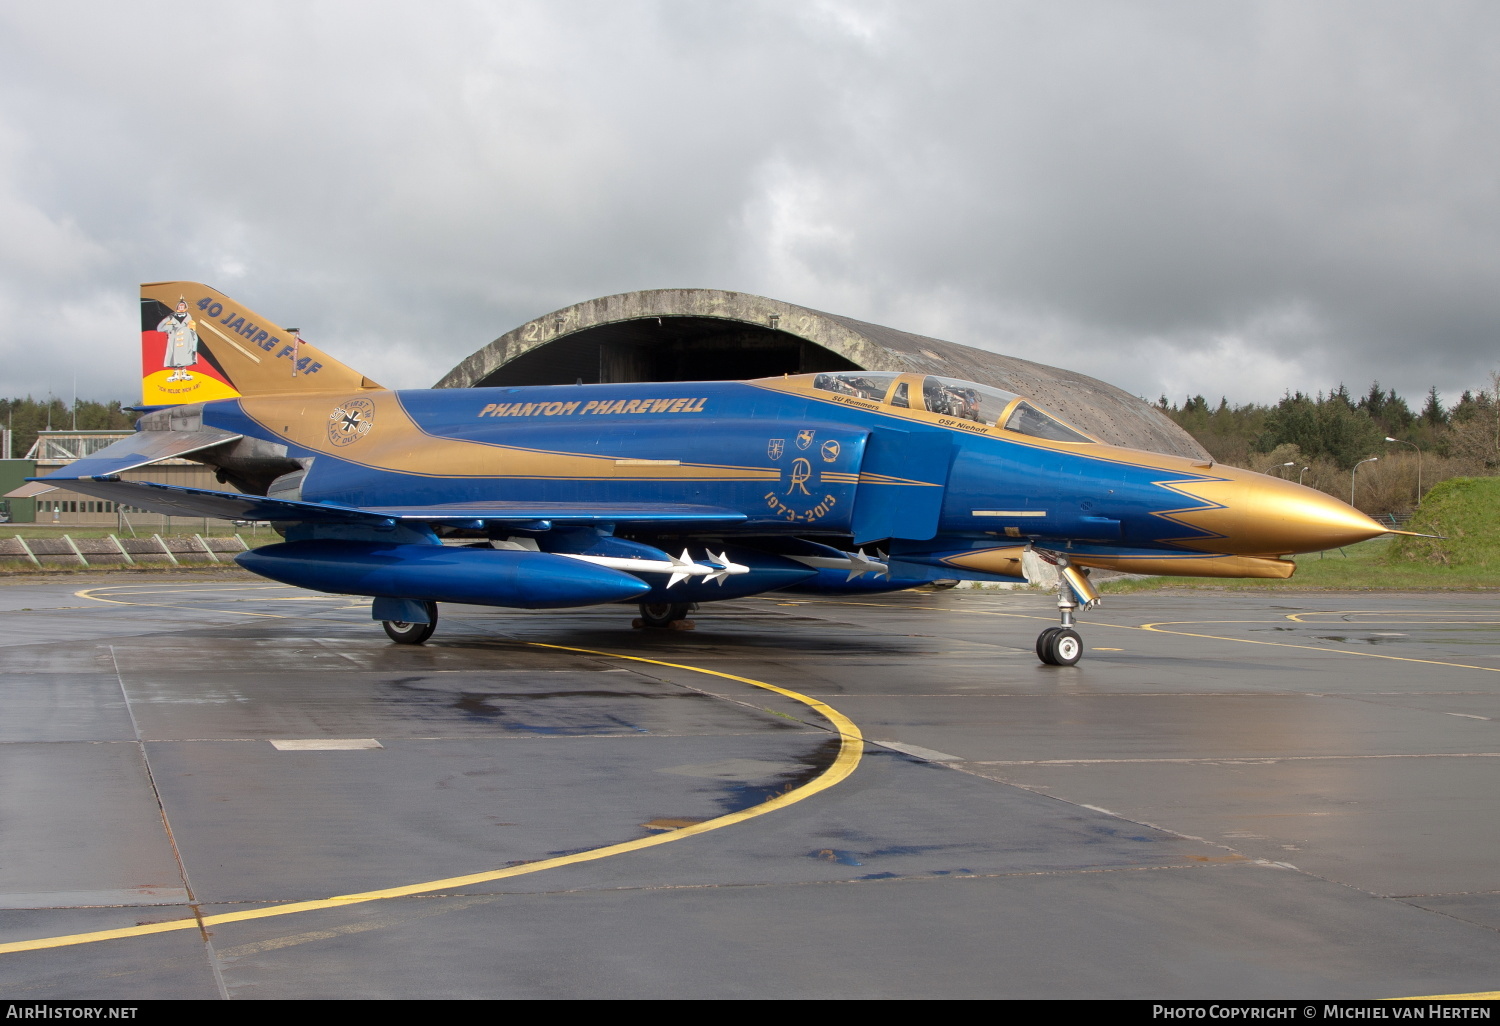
1301 472
1417 447
1288 463
1361 463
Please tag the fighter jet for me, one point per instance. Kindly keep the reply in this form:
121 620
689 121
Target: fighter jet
667 494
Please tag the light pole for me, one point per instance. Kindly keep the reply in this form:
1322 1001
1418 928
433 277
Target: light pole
1288 463
1417 447
1301 472
1361 463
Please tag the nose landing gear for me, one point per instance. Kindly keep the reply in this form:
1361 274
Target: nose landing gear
1061 645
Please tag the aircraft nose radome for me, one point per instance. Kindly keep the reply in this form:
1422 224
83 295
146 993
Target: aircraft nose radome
1276 517
1253 515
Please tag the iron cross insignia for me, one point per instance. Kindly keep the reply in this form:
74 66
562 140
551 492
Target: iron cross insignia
351 421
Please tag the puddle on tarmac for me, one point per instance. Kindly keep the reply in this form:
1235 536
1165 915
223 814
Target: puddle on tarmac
561 711
852 857
735 795
1366 639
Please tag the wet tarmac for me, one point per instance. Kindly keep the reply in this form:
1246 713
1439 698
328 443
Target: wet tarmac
1234 795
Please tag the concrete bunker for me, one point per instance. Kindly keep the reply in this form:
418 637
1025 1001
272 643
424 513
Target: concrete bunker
709 334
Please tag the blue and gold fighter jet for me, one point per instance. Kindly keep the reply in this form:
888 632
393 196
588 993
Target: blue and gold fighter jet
667 494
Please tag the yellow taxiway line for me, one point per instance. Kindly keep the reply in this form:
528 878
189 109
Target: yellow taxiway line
851 745
1158 628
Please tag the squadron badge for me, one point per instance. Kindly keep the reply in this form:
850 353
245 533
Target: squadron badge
775 447
351 421
801 472
830 451
805 438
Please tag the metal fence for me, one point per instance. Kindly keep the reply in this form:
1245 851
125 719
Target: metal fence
112 550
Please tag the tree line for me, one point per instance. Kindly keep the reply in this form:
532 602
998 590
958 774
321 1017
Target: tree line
1321 438
26 417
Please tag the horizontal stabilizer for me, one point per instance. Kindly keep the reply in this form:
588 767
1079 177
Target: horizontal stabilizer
174 500
139 450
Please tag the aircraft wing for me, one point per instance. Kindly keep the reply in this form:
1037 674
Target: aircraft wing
139 449
177 501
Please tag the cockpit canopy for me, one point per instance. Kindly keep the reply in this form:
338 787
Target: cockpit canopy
951 397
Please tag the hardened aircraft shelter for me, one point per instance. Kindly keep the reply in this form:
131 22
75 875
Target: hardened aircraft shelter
712 335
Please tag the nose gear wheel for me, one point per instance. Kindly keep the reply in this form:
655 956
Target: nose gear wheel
1059 646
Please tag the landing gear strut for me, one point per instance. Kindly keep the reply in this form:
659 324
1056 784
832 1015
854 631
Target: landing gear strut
1061 646
664 614
403 633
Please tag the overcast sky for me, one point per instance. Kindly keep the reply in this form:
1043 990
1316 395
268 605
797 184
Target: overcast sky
1226 198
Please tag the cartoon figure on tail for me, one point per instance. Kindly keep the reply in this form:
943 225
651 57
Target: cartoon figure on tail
182 341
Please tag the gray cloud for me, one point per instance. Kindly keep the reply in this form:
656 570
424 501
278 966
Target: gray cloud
1223 198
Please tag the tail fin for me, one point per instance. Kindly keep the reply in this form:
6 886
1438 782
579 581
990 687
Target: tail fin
198 344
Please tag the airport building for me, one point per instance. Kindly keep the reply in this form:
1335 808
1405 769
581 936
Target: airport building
46 504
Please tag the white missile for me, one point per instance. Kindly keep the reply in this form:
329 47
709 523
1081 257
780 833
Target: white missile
856 563
716 568
726 566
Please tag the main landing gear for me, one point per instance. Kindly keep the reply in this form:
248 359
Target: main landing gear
403 633
665 615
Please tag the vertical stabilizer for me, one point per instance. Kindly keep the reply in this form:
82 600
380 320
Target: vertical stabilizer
197 344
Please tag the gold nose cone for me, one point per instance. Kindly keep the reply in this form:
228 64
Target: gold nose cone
1265 516
1287 517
